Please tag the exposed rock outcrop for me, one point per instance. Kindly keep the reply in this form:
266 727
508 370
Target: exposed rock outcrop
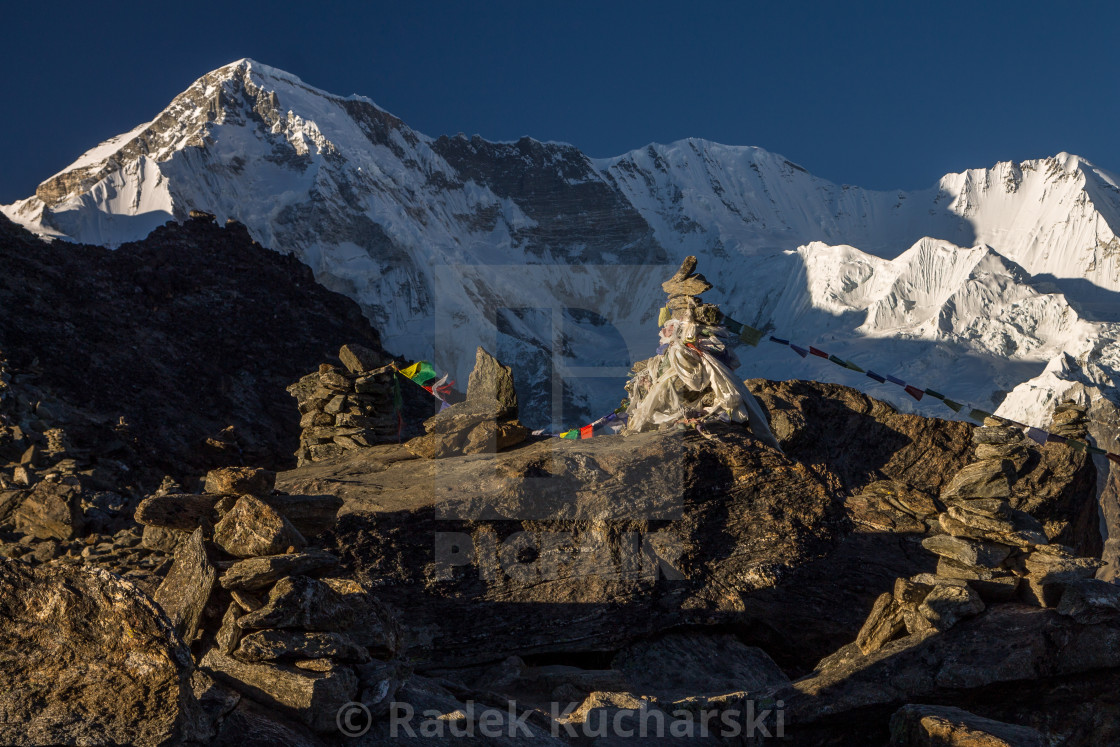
484 423
87 658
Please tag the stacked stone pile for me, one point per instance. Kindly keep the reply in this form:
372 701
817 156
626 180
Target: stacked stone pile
684 290
346 408
484 423
1070 420
988 552
262 607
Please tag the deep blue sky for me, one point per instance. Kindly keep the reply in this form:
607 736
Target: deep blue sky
883 95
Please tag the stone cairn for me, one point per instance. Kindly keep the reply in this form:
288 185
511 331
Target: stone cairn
260 605
988 552
346 409
484 423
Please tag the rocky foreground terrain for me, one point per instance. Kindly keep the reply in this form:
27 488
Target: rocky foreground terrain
884 578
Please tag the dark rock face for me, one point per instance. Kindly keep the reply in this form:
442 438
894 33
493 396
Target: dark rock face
86 658
991 663
721 496
244 321
552 184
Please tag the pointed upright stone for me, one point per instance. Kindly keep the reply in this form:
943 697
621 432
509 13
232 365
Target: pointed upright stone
491 380
186 589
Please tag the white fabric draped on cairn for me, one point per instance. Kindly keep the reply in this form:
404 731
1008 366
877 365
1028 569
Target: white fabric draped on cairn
690 378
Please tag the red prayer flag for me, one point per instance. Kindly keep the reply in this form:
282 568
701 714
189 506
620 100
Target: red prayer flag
585 431
914 392
820 353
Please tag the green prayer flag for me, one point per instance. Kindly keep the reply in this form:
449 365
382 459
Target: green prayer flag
1077 445
838 361
979 415
570 434
937 395
854 367
956 406
1096 450
750 335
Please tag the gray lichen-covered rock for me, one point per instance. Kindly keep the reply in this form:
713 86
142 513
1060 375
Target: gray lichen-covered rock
186 589
253 528
87 658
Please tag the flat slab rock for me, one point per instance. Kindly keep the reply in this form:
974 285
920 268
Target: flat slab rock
87 658
313 698
240 481
255 574
946 726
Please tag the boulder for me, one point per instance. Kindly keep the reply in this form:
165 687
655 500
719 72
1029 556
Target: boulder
359 358
885 622
967 551
302 603
51 510
240 481
946 605
87 658
266 645
946 726
490 380
984 479
253 528
182 511
311 515
1090 601
679 665
255 574
186 589
313 698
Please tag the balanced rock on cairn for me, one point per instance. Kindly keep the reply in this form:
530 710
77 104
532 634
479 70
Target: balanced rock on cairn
988 552
259 605
691 378
346 409
484 423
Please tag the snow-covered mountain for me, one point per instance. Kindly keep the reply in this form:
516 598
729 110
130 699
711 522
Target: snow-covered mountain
994 281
